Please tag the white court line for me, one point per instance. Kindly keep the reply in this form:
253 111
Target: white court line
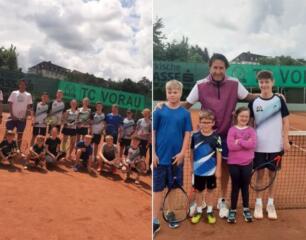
296 146
297 129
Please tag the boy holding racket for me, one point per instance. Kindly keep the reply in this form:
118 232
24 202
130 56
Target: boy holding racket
9 150
38 117
271 123
57 108
37 153
206 161
171 132
83 156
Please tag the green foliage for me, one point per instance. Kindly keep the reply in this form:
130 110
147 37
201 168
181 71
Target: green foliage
176 50
8 58
282 60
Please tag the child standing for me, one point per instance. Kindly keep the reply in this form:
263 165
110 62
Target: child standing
172 127
206 161
241 142
271 121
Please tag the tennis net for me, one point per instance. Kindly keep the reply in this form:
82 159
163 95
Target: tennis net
290 183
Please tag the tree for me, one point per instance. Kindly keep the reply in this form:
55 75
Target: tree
8 58
158 39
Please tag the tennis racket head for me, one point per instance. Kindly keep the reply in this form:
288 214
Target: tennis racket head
175 205
263 176
51 120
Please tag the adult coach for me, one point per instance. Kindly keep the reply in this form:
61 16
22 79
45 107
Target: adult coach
219 93
20 104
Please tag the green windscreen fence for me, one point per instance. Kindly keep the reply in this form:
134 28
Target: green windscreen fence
38 84
290 80
106 96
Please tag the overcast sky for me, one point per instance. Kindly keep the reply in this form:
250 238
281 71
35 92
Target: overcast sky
108 38
267 27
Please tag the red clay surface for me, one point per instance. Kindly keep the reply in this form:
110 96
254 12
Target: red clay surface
64 205
290 191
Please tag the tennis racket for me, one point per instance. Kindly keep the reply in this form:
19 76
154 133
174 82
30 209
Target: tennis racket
51 119
263 176
176 202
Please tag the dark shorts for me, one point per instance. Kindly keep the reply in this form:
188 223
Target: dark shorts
82 131
262 158
96 139
19 125
163 177
125 143
39 131
143 147
202 182
57 126
69 131
224 149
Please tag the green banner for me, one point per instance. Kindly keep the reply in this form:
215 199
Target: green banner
285 76
104 95
189 73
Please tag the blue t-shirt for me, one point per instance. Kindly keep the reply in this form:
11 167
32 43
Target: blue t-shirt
170 126
113 123
85 155
204 153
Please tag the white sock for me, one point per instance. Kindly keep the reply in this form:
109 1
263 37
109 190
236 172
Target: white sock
270 201
209 209
199 209
258 201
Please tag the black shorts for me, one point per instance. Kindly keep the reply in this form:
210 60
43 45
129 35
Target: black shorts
124 142
202 182
39 131
82 131
262 158
143 147
96 139
57 126
69 131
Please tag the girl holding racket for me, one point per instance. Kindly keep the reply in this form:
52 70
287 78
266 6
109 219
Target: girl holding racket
241 142
69 128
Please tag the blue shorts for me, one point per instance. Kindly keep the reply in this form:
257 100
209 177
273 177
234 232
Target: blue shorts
18 124
163 177
224 149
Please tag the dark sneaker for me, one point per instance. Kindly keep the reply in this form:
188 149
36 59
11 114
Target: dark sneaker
156 228
247 215
231 216
172 220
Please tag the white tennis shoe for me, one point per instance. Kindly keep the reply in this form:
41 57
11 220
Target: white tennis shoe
258 214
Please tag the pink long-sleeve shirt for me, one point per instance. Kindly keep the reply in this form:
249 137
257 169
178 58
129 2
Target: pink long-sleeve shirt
241 144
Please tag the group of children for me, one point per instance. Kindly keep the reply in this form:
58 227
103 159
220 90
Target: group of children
82 131
247 143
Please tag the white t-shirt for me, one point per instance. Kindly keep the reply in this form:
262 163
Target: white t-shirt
193 96
268 115
57 110
20 102
144 129
98 123
1 96
41 113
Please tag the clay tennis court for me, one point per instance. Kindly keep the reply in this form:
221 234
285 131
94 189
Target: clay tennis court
64 205
290 197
